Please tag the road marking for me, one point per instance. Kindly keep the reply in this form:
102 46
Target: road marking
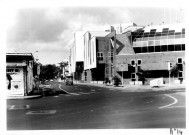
175 101
74 94
84 93
41 112
14 107
176 107
92 90
62 89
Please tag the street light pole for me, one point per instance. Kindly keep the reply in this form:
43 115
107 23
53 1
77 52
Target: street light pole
122 72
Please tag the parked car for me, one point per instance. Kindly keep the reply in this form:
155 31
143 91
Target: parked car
48 89
69 80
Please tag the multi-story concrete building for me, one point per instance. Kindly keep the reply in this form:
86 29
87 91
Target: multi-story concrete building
19 70
136 54
76 58
94 55
153 49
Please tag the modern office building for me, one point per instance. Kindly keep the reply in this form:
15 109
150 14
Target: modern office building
95 47
136 54
156 51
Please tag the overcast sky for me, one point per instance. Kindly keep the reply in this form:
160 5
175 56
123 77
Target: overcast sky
50 30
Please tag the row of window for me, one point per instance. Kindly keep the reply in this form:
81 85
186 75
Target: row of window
100 55
162 48
141 38
139 61
159 42
133 75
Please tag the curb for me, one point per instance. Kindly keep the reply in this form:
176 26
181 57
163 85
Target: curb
24 97
138 88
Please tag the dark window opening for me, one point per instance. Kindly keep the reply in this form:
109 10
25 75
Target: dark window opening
137 49
183 47
139 62
151 49
139 68
132 62
177 33
164 48
165 29
170 47
157 49
180 60
178 47
180 67
180 74
144 49
158 33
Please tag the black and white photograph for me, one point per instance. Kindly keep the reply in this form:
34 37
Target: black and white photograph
95 67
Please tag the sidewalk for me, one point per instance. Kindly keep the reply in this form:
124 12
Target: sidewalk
34 95
142 88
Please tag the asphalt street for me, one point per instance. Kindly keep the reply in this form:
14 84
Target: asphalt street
91 107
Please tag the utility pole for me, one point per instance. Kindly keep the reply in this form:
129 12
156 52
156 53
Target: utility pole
122 73
169 68
38 72
114 53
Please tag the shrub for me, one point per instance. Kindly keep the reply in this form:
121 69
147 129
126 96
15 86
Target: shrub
117 80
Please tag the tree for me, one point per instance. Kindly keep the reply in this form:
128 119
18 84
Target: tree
174 70
117 80
49 71
142 74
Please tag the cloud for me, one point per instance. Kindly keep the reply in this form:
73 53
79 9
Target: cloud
34 25
52 29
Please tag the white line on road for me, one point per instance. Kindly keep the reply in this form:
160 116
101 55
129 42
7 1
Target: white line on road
14 107
41 112
166 106
84 92
74 94
62 89
176 107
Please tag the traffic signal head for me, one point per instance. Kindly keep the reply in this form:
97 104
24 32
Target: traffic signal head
169 65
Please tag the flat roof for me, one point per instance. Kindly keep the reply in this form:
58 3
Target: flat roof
20 54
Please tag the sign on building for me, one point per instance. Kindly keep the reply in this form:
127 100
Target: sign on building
156 82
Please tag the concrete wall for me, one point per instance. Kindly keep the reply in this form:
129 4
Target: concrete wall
151 61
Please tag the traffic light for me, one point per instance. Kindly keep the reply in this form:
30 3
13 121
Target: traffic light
170 65
180 67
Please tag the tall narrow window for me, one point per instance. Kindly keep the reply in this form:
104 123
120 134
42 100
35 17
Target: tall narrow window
139 61
110 54
100 55
132 62
179 60
133 76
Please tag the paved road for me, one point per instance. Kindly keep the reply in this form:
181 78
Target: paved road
92 107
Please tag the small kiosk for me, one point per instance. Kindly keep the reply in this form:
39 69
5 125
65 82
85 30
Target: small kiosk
19 72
